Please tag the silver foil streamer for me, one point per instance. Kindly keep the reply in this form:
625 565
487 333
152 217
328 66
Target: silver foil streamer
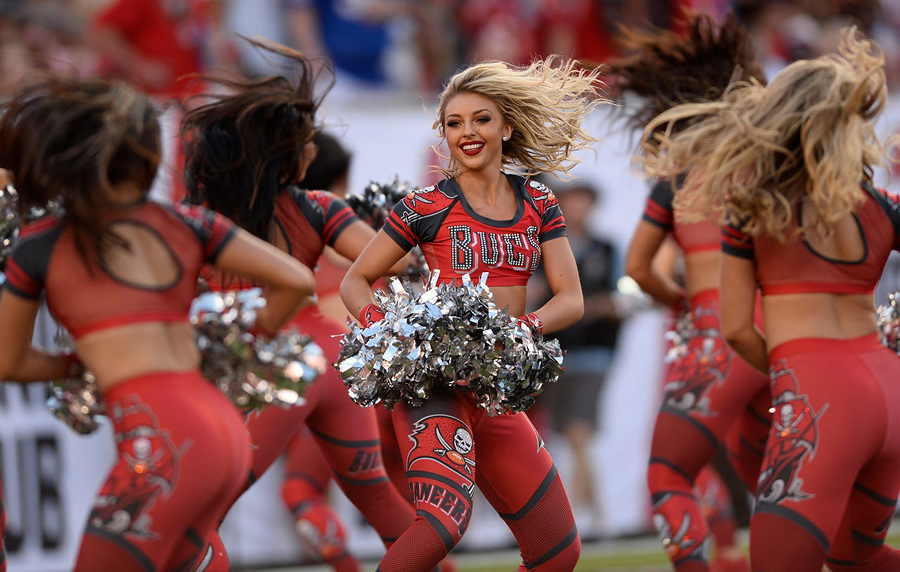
253 371
373 206
9 221
446 335
888 319
77 402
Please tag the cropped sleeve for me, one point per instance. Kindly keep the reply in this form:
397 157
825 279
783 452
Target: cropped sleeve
26 266
213 230
890 204
737 243
326 213
417 218
659 210
553 224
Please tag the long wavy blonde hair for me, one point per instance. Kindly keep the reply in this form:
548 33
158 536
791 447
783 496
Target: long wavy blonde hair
545 102
761 150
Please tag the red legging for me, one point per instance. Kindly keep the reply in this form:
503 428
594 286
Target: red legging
705 392
831 474
514 471
306 478
182 452
346 433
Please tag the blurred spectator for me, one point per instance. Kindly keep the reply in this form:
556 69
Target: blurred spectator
572 403
354 34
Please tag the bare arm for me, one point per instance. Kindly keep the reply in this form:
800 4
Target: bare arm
19 360
567 304
351 243
376 259
645 243
288 282
737 302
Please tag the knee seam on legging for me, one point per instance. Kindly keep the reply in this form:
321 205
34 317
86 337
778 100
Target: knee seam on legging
796 518
704 430
559 547
880 499
438 527
535 497
131 549
345 443
673 466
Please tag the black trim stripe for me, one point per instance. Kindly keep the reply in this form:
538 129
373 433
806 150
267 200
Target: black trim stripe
344 443
194 538
880 499
535 498
672 466
363 482
440 478
562 545
439 527
796 518
131 549
857 535
658 496
752 446
700 427
840 562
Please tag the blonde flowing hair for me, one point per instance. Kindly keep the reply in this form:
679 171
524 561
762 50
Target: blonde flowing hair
544 102
761 150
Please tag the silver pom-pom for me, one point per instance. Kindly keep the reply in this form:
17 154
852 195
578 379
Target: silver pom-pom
373 207
447 335
253 371
77 402
9 221
888 319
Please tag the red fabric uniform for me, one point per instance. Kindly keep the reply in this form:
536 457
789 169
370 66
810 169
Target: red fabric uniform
346 433
168 33
439 440
831 473
181 444
706 391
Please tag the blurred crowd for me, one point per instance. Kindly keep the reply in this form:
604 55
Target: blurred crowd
394 45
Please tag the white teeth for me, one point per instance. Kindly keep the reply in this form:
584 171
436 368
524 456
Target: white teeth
471 146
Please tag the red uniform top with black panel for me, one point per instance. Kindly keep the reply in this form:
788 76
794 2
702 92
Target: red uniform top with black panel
87 299
456 240
795 266
691 237
308 221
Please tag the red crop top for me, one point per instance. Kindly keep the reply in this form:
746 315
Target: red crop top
86 299
795 267
691 237
456 240
308 221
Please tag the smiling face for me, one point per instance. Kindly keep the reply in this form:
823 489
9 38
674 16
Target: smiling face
474 129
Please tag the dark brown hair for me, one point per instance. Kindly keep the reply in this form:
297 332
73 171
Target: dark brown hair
75 140
666 69
246 144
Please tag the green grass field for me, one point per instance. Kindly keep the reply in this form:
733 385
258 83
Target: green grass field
629 555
